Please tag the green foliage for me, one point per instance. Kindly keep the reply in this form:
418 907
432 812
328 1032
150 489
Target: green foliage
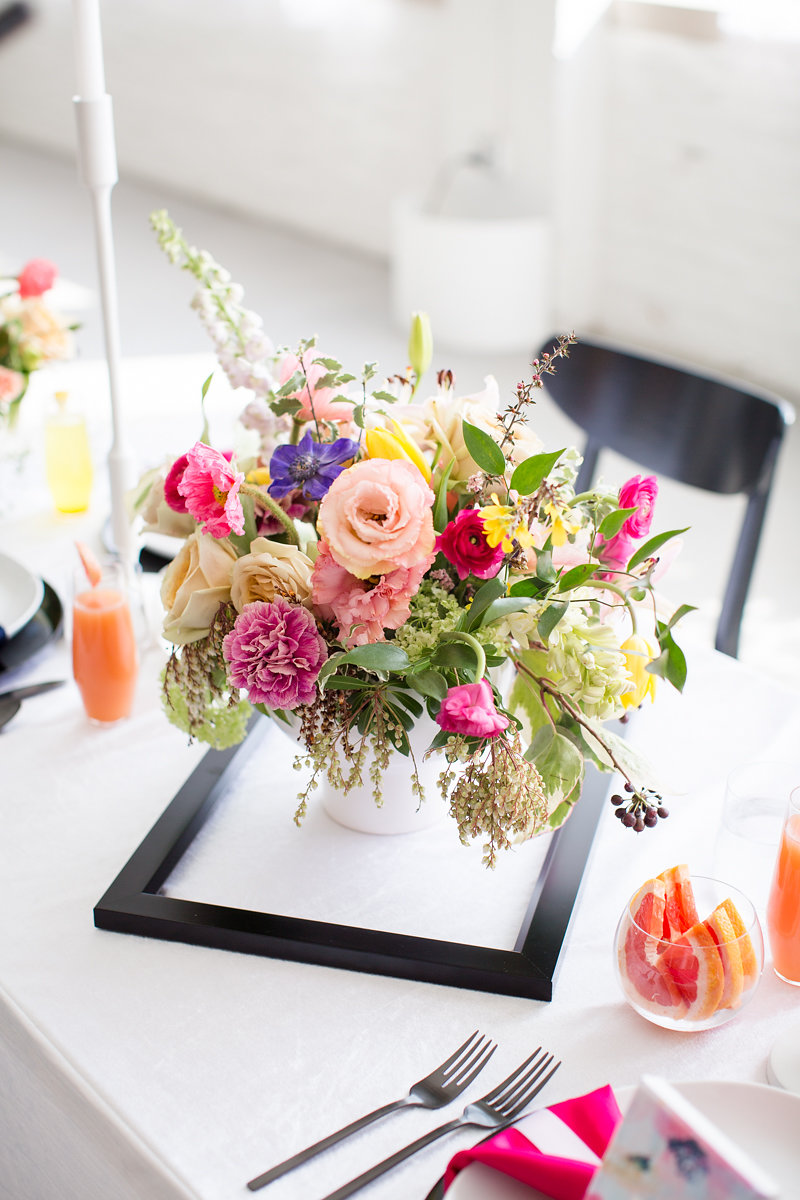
483 449
530 474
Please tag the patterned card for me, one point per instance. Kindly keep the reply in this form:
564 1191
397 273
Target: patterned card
665 1149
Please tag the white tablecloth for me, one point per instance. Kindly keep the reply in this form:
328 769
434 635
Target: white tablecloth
131 1067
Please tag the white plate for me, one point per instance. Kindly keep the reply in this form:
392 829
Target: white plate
20 595
764 1121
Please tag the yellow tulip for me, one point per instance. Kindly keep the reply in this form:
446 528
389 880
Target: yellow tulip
396 444
639 651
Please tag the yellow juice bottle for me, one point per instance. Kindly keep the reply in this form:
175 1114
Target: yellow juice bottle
68 459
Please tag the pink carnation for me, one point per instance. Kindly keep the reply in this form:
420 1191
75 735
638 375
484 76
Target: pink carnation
377 516
36 277
316 403
12 385
275 652
469 709
372 608
210 487
463 543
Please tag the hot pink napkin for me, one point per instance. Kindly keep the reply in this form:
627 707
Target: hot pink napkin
556 1149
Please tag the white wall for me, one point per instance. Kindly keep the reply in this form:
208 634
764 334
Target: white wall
673 164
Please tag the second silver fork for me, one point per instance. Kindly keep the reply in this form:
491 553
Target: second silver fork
436 1090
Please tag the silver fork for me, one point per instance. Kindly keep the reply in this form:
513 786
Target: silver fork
497 1108
442 1086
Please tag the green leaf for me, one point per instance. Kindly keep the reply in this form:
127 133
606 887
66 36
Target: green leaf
346 683
241 541
483 449
649 548
550 618
368 371
385 396
525 701
410 703
671 663
455 654
561 766
576 576
545 569
330 364
293 384
611 524
286 407
358 415
378 656
440 513
529 474
527 587
502 608
680 613
485 595
206 386
428 683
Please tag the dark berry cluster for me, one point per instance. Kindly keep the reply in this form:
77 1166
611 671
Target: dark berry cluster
640 809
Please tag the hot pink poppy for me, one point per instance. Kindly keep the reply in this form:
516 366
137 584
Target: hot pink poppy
210 487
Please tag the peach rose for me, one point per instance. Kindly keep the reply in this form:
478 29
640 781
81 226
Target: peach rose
195 583
377 516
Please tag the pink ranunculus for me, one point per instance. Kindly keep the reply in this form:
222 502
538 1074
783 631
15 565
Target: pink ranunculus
12 384
469 708
316 403
210 487
639 492
616 551
377 517
36 277
275 652
174 475
372 609
463 543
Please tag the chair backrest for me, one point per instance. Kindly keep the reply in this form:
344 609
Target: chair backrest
688 426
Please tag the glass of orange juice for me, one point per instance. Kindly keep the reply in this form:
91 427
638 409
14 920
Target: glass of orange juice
105 660
783 909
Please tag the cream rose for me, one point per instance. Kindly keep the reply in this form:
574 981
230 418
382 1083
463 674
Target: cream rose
269 570
195 583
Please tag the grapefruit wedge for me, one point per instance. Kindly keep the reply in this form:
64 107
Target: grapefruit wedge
680 912
693 964
746 951
640 953
720 926
94 572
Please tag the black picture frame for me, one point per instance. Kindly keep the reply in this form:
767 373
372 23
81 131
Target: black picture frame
133 903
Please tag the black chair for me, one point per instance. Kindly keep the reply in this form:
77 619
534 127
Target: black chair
690 427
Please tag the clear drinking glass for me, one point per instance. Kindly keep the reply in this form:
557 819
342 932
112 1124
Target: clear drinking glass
105 660
68 458
697 980
752 816
783 910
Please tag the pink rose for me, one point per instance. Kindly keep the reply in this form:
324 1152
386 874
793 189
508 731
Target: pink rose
463 543
370 608
316 403
377 517
640 493
12 385
36 277
469 708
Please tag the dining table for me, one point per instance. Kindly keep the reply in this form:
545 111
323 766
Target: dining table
142 1067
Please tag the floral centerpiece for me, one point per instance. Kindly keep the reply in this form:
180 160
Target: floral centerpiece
31 333
391 555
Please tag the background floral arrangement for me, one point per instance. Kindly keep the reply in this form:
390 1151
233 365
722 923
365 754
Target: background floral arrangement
31 333
385 559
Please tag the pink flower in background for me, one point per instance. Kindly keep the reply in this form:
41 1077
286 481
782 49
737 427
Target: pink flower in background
639 492
293 505
36 277
469 708
174 475
463 543
340 596
210 487
275 652
12 385
377 516
316 403
616 552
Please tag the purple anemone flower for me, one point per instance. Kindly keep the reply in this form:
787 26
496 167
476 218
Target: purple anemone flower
310 466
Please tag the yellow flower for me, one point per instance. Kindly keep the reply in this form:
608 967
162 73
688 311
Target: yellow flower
381 443
639 651
503 526
259 476
560 524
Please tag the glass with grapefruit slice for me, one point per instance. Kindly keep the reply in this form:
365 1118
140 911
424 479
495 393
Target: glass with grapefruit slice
689 950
